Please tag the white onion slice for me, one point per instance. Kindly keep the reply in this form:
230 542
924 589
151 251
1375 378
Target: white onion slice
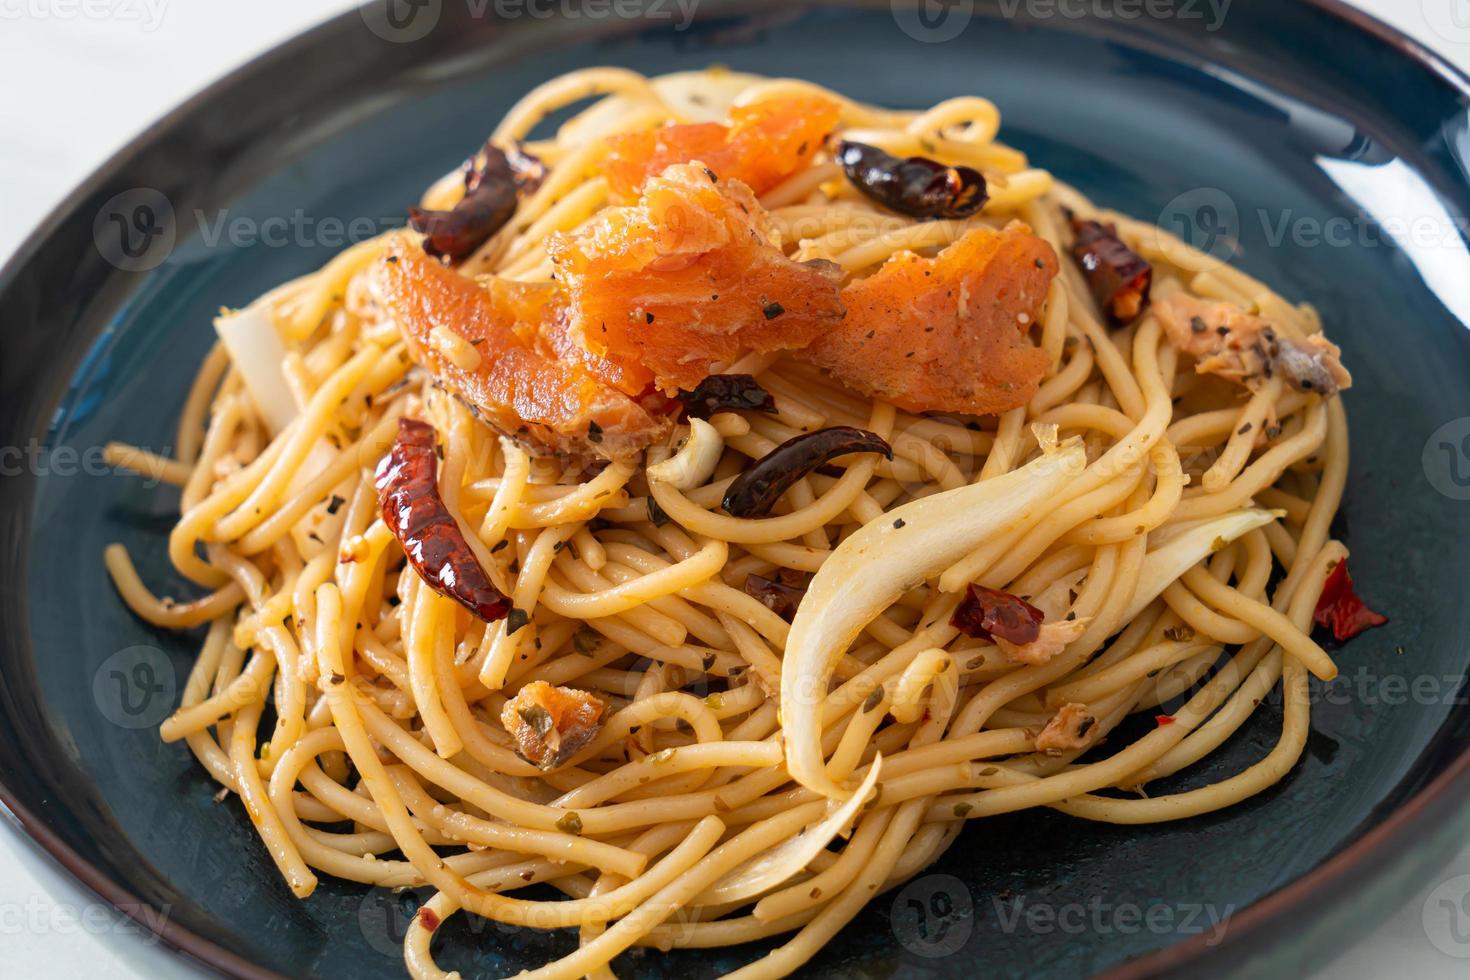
1184 550
695 462
776 866
257 352
872 568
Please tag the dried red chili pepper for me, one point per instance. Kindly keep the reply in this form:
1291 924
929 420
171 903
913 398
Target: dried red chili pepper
990 613
916 186
408 493
1340 609
726 393
1120 278
755 492
781 594
493 181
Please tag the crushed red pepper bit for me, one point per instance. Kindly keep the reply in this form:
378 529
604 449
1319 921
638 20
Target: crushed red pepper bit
987 614
1163 720
551 724
493 182
1340 609
408 493
781 594
1119 277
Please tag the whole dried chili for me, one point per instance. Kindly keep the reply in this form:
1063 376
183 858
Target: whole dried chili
726 393
493 181
1340 609
781 594
408 494
755 492
989 613
915 186
1119 277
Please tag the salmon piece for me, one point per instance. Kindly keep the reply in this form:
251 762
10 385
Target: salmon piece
690 277
551 724
1067 731
540 319
1243 348
494 345
765 143
947 334
1052 640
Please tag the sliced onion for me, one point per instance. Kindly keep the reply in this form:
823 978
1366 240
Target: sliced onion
1183 550
778 865
695 462
257 352
871 569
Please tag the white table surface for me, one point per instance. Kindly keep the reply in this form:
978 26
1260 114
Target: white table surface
79 78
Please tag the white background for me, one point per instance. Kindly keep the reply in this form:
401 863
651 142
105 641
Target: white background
78 78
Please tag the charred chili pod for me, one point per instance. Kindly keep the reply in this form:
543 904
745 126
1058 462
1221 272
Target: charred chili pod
493 181
781 595
726 393
989 613
756 491
1119 277
916 186
408 493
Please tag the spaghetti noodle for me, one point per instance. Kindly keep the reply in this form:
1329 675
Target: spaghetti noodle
1119 522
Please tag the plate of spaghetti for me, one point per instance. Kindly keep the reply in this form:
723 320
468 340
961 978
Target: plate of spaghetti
751 520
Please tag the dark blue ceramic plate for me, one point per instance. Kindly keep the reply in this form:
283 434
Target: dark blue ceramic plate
1322 151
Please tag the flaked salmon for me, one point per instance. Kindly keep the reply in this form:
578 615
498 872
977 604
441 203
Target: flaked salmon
765 143
688 278
550 724
948 333
495 343
1242 347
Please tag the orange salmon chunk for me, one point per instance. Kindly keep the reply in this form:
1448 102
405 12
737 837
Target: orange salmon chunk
947 334
689 278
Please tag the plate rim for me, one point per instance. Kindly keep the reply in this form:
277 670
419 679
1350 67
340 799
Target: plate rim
1328 884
